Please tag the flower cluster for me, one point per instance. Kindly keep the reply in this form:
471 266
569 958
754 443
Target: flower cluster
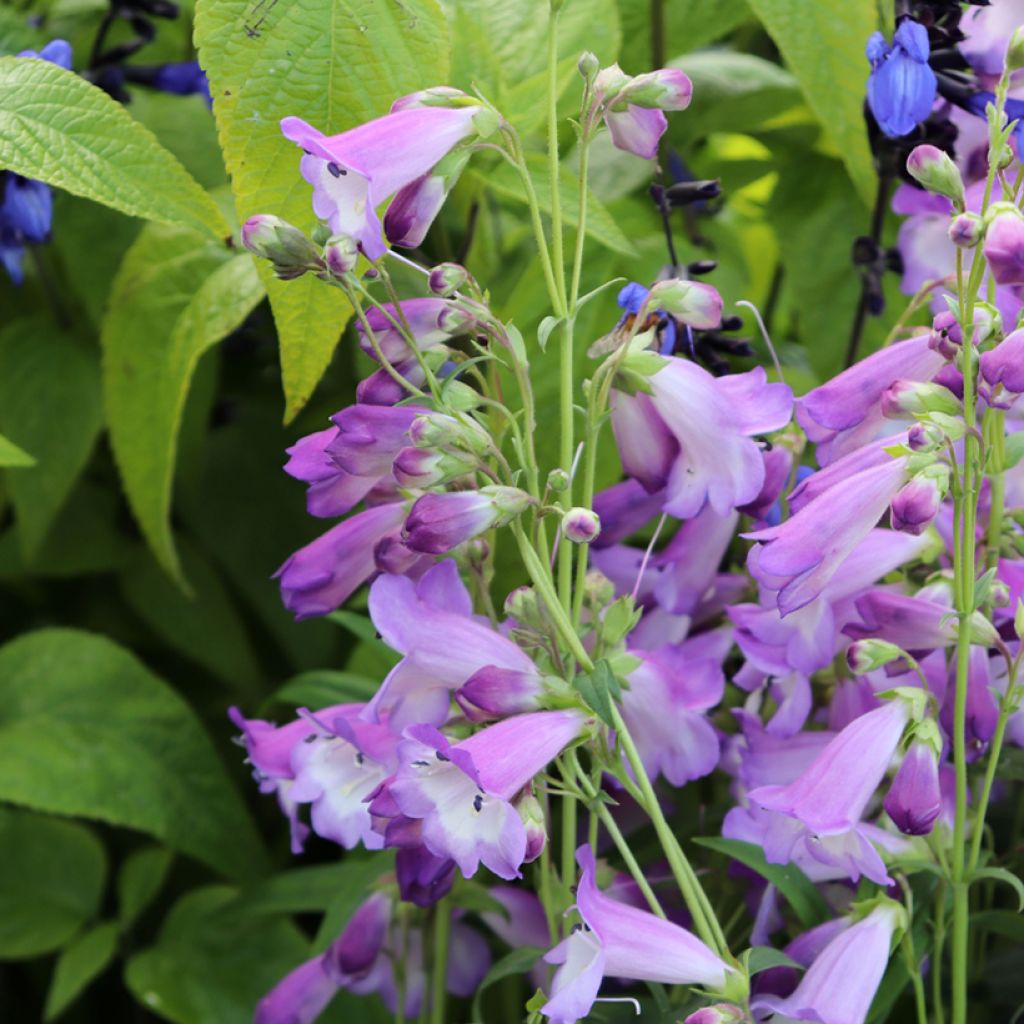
840 664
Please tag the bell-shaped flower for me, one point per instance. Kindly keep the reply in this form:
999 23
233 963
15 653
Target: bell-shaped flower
369 437
353 173
620 941
841 983
1004 248
797 558
331 491
462 793
439 522
822 809
632 107
444 647
325 573
624 508
914 800
1005 363
423 317
901 86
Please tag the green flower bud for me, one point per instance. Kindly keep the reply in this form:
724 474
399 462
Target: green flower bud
935 171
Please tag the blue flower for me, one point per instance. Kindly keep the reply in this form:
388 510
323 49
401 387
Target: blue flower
56 51
182 79
901 86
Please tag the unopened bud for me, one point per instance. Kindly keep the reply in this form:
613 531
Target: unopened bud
291 252
1018 620
453 319
918 502
598 589
447 278
918 398
925 437
435 429
558 480
934 170
588 66
999 594
867 655
610 81
664 89
696 304
1015 51
720 1013
341 254
581 525
532 815
426 467
965 230
523 605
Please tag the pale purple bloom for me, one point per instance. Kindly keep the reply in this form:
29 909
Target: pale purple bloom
982 708
444 647
461 793
380 388
299 997
325 573
686 568
1005 363
331 491
369 437
987 31
423 317
355 172
439 522
822 809
800 556
636 130
624 508
693 436
914 800
1004 248
664 710
620 941
841 983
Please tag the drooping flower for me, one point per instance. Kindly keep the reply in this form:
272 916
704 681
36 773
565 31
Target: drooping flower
444 647
901 86
1005 363
424 319
462 793
355 172
632 107
439 522
1004 248
914 800
841 983
620 941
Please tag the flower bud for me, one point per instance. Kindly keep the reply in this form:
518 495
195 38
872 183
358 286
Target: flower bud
917 398
558 480
933 169
447 278
436 430
1004 247
692 302
925 437
914 799
965 230
271 238
460 396
588 66
425 467
1015 51
720 1013
493 692
871 653
341 254
436 523
598 590
532 815
454 319
918 502
1018 620
581 525
665 89
999 594
610 81
523 605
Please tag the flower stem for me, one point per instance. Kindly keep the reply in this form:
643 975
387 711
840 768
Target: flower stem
439 986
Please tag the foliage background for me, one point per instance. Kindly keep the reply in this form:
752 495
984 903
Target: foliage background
155 378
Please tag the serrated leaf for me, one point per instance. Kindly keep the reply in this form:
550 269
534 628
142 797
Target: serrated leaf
86 729
57 127
141 877
764 958
320 687
54 413
79 964
519 961
51 884
320 59
175 296
1002 875
13 457
823 45
798 890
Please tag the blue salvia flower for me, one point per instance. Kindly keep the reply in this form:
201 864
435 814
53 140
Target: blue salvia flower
901 86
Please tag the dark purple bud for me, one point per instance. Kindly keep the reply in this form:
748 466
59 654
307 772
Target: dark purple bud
423 879
914 799
447 278
494 692
355 950
581 525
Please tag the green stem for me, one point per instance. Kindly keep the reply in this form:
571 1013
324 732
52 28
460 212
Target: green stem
569 824
939 942
995 424
995 749
439 983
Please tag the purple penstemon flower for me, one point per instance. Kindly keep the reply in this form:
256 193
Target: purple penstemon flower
914 800
355 172
619 941
369 437
1005 363
632 107
423 317
331 492
823 807
462 793
439 522
841 982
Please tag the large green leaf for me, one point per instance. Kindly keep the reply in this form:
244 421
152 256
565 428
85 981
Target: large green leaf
86 729
57 127
50 405
213 961
321 60
175 296
823 44
51 883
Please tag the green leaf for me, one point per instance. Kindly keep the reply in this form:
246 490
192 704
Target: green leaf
53 413
79 964
519 961
175 296
808 904
601 226
13 457
361 627
205 627
321 687
1002 922
823 45
360 873
213 961
598 688
87 729
297 891
141 877
1002 875
764 958
251 55
51 883
59 128
1014 450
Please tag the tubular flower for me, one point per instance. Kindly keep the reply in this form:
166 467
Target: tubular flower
619 941
901 86
632 107
439 522
914 800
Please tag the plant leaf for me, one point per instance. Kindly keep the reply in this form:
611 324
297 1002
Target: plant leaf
79 964
87 729
250 54
360 873
175 296
320 687
141 877
13 457
1002 875
764 958
519 961
57 127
